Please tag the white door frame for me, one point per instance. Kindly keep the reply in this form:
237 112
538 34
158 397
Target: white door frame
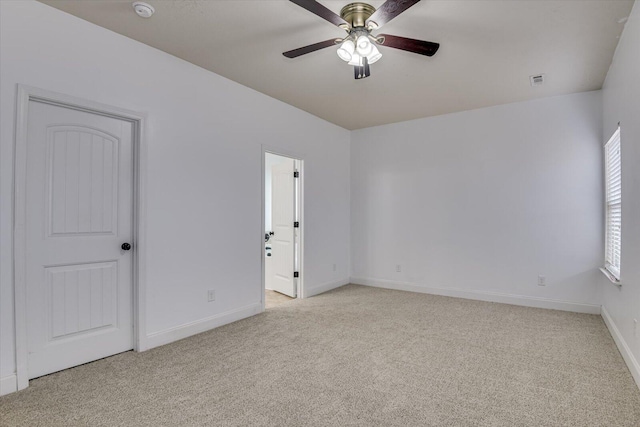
138 120
300 293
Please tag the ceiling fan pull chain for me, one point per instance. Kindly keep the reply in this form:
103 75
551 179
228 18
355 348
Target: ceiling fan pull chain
362 71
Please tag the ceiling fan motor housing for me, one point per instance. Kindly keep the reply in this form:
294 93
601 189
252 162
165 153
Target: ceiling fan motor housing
356 14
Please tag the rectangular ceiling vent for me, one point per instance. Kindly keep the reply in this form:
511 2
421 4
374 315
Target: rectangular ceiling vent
537 80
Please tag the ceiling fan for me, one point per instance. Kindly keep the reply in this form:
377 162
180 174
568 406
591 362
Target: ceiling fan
358 48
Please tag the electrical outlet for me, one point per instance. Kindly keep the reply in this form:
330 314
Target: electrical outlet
542 281
398 268
335 267
211 295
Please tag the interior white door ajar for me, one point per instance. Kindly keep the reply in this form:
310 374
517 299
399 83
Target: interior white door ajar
79 198
282 217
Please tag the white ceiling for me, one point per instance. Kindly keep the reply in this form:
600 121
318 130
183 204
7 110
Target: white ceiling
488 51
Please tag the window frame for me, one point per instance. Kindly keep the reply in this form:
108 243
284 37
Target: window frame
613 206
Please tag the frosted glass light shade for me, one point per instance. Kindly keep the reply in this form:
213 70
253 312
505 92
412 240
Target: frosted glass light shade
356 59
345 51
364 45
375 55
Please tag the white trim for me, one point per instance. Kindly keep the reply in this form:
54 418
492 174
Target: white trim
8 384
610 276
325 287
139 120
19 244
192 328
522 300
625 351
611 261
263 228
300 292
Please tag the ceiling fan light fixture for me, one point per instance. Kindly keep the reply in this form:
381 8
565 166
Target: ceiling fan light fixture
364 45
346 50
374 56
359 20
356 59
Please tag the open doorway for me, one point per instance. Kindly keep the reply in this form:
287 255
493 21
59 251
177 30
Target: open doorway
282 225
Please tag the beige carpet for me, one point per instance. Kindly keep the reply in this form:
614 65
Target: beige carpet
274 299
356 356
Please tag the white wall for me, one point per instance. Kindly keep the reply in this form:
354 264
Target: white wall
204 221
479 203
621 100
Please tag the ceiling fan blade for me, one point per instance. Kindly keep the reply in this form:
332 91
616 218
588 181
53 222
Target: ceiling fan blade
308 49
318 9
389 10
410 45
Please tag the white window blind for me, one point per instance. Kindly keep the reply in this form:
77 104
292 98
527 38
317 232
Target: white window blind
613 188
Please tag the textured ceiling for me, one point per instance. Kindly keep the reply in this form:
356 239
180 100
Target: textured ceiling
488 51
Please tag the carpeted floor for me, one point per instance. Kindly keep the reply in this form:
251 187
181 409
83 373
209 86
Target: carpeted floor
274 299
356 356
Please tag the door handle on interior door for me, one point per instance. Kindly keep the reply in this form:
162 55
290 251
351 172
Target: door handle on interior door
125 246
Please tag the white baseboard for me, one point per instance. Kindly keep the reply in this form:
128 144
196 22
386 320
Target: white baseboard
481 295
192 328
325 287
624 349
8 384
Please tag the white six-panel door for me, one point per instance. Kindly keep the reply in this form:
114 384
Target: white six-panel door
282 217
79 209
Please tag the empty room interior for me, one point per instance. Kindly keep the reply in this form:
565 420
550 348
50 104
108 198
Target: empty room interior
320 213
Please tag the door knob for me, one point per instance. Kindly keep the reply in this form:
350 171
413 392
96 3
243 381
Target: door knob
126 246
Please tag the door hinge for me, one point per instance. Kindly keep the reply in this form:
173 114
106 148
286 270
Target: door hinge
296 224
296 274
296 174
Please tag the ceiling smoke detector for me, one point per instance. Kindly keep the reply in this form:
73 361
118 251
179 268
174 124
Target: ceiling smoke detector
537 80
144 10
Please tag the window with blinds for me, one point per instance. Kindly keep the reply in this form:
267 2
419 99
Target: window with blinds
613 188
